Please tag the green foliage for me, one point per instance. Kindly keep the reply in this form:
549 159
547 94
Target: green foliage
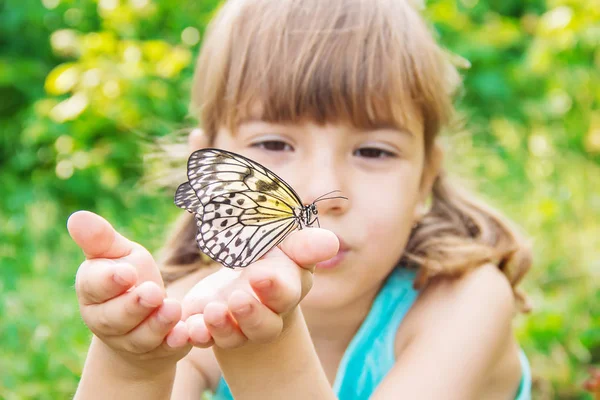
84 85
531 104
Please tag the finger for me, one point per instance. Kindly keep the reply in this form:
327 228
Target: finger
198 332
277 283
222 326
178 336
96 236
98 239
100 280
123 313
310 246
257 322
151 334
145 265
209 289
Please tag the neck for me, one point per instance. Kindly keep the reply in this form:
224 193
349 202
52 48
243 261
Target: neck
335 327
332 329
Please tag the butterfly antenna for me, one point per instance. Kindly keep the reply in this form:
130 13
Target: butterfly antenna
327 194
321 198
331 198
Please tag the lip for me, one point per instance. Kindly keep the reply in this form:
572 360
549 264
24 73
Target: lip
337 259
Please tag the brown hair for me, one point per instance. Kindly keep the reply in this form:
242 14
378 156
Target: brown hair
365 62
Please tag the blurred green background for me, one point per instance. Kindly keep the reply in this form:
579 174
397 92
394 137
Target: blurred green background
86 85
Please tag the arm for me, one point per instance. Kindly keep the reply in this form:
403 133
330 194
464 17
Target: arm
464 327
298 375
198 371
138 335
190 382
107 376
250 318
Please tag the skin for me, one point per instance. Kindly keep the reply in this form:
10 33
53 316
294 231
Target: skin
138 333
240 321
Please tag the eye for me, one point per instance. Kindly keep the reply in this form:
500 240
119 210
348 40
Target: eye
273 145
373 152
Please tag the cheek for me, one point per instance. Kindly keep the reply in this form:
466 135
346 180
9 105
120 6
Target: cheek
385 240
388 223
387 213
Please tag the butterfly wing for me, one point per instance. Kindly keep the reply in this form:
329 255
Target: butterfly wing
242 209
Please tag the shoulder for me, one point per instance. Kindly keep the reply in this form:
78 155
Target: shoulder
479 305
486 283
483 293
461 328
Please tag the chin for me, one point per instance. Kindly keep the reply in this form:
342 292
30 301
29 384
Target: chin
327 293
338 287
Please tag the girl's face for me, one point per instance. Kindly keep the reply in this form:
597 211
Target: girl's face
379 171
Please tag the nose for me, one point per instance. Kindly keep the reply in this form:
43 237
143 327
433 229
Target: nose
324 183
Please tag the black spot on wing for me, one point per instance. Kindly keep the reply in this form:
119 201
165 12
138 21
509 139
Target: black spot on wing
263 186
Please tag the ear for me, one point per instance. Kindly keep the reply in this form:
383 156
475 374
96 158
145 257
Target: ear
197 140
431 170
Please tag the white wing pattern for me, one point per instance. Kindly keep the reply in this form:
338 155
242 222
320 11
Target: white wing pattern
242 209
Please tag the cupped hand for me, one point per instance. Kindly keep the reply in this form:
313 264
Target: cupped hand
121 295
232 307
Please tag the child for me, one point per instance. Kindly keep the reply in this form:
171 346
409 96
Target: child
399 300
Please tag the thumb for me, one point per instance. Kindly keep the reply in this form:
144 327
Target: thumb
96 236
307 247
98 239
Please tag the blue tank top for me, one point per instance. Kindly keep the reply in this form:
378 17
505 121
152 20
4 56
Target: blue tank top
370 354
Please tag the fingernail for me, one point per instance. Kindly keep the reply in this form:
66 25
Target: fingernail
119 279
146 303
177 339
264 284
172 342
162 318
197 329
220 323
244 310
123 275
122 279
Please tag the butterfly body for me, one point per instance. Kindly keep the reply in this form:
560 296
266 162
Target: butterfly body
242 209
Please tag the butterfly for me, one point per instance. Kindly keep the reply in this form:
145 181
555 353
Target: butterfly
242 209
